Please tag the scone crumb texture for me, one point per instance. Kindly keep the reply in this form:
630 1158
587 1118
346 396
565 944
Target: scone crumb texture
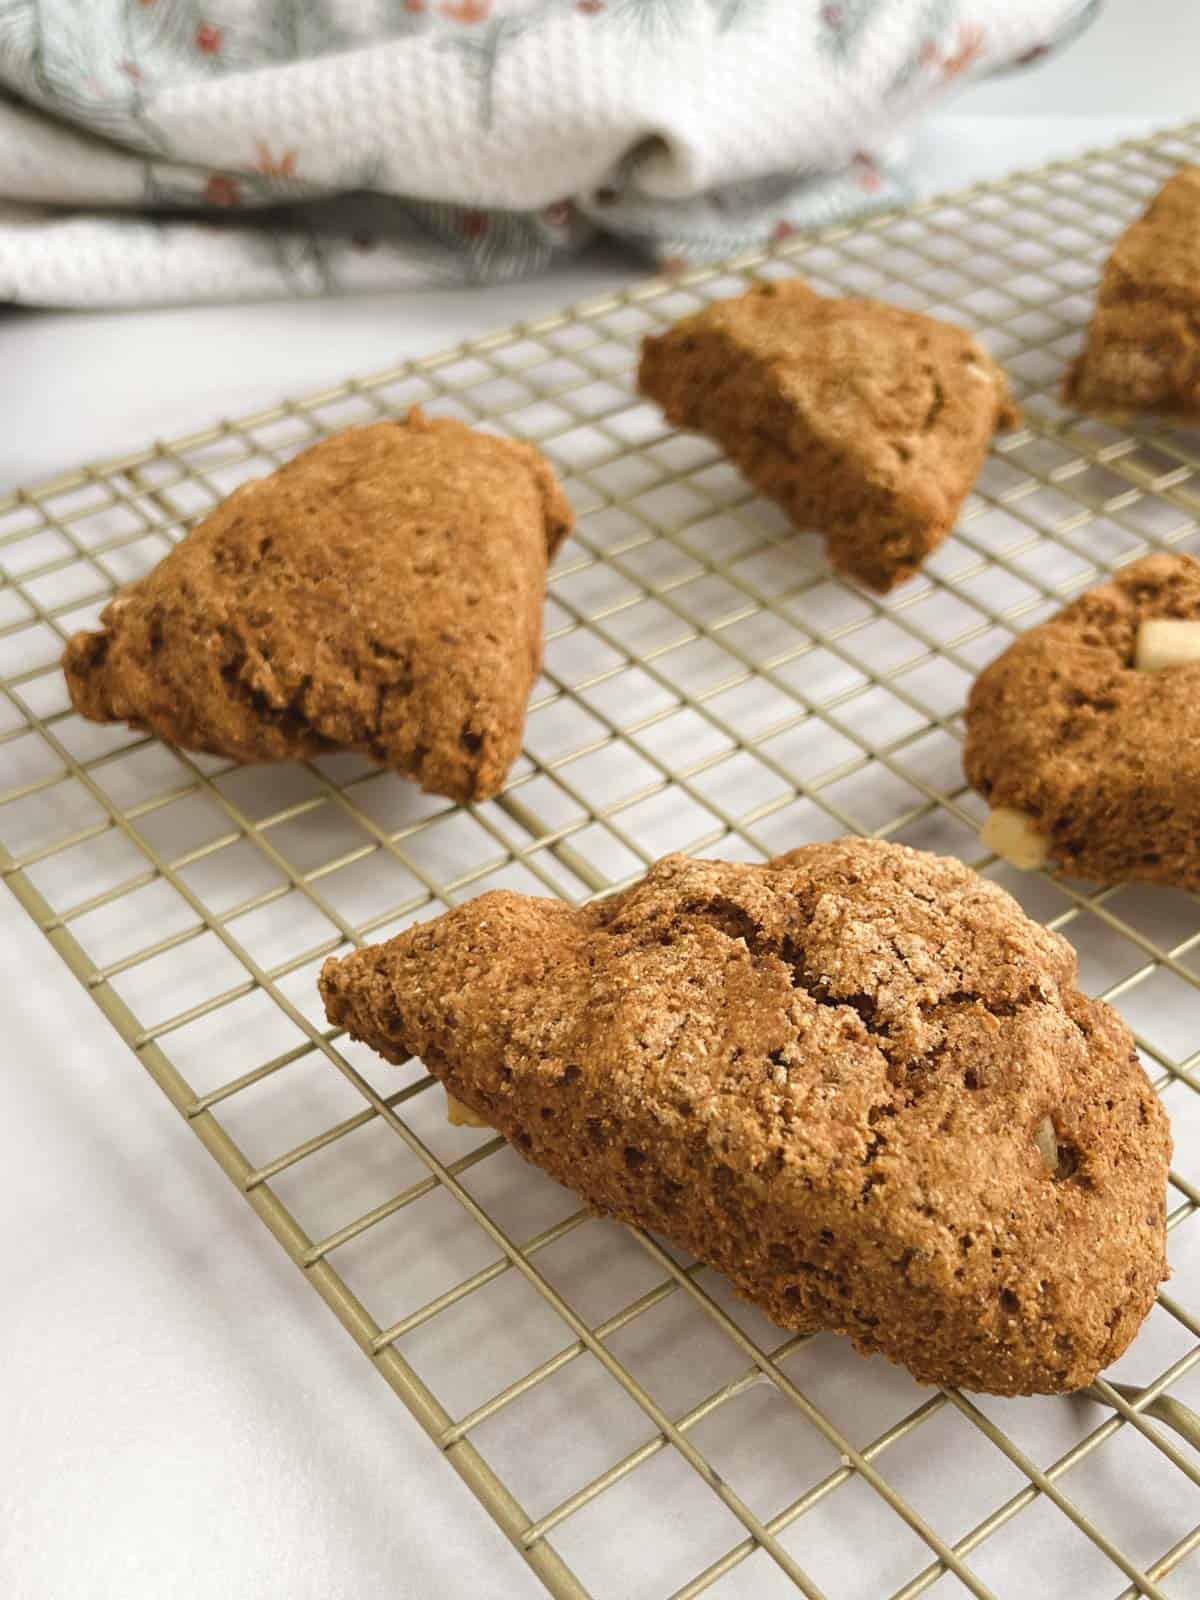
1011 835
1166 642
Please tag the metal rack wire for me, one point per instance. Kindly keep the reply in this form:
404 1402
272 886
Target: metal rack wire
708 686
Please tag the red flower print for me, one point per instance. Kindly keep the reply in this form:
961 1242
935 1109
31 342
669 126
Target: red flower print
868 173
968 51
781 231
465 10
414 7
590 8
473 224
284 167
222 190
832 16
208 39
132 71
559 214
970 48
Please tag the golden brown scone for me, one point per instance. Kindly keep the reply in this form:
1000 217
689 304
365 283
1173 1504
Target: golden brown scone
864 421
1143 348
857 1080
381 593
1100 754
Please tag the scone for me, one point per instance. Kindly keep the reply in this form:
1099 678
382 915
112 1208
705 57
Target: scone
857 1080
1143 346
1084 736
863 421
381 593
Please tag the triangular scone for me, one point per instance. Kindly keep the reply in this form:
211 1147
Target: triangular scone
863 421
858 1080
381 593
1085 734
1143 347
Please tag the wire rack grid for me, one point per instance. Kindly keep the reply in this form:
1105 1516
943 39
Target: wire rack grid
708 686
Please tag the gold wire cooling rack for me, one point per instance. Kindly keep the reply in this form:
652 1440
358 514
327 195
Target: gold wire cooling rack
708 686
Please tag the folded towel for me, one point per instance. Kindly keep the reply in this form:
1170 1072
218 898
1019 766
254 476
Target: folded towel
157 151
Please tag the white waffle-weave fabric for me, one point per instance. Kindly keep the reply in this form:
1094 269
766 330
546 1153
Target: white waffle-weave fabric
156 151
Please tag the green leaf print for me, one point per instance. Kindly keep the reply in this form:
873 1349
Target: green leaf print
728 13
482 49
652 17
292 31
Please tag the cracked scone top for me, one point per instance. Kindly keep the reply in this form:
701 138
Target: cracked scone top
1070 731
858 1080
863 420
381 593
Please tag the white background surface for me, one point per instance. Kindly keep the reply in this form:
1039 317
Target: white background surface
179 1415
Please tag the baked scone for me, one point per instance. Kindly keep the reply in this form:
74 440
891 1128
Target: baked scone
863 421
1084 736
381 593
1143 346
858 1080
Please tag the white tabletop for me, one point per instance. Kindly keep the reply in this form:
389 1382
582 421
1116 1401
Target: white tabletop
179 1413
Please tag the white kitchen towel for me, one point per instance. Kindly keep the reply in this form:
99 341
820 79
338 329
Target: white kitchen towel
157 151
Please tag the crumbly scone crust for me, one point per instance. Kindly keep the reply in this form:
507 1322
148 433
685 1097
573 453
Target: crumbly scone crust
865 421
822 1076
1103 759
381 593
1143 345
